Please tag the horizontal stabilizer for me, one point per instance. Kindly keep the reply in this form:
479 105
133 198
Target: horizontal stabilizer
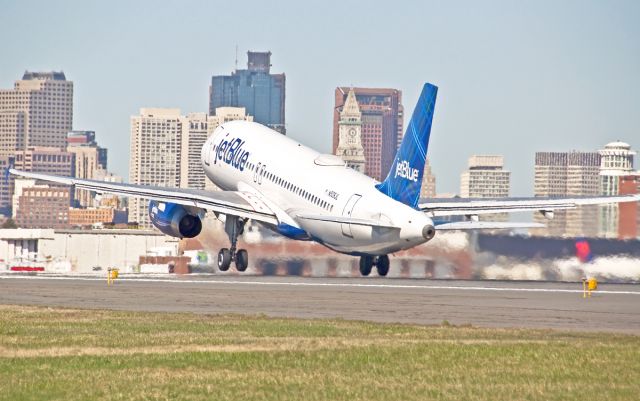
346 220
485 225
470 207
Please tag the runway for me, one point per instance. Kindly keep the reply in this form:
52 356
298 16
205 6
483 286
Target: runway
613 308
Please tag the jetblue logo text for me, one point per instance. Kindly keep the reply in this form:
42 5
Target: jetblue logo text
231 152
404 170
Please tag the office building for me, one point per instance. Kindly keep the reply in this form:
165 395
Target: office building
616 162
89 158
156 152
486 178
166 149
92 216
49 160
39 159
261 93
36 159
382 126
568 174
350 130
197 127
38 111
42 206
88 139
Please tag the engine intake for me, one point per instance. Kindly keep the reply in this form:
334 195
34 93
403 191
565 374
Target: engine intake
174 220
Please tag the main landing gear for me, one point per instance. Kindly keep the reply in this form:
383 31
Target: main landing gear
381 262
233 226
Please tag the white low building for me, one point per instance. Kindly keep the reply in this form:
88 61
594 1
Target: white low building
83 250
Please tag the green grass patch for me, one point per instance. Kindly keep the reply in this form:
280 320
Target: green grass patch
69 354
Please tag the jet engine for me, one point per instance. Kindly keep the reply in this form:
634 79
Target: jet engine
175 220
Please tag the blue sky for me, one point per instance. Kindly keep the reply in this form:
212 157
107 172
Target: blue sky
514 77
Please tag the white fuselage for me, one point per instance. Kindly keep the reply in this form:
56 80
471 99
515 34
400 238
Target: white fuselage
294 181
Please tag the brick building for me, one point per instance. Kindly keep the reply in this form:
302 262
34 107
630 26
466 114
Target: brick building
629 213
43 207
91 216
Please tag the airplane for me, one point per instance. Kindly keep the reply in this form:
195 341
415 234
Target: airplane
305 195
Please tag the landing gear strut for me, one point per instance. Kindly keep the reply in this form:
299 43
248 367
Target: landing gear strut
233 226
381 262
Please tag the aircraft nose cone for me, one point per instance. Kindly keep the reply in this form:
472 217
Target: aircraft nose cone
428 232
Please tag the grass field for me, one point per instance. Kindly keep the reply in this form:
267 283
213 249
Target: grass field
71 354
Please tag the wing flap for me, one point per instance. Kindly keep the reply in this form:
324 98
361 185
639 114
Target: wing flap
226 202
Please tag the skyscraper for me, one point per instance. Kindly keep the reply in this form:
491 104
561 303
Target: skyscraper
568 174
166 149
382 126
196 128
350 126
486 178
156 151
37 112
261 93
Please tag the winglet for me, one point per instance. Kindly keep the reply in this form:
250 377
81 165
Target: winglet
404 180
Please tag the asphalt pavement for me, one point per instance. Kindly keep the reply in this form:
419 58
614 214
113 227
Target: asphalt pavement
612 308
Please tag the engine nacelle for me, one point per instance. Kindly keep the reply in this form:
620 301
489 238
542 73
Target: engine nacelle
175 220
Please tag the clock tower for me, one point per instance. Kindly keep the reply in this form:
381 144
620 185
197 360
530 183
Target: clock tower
350 134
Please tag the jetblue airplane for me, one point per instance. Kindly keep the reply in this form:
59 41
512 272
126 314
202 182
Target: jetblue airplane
304 195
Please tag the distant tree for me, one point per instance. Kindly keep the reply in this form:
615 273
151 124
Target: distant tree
9 223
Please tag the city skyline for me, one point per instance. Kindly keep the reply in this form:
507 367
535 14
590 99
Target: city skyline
514 79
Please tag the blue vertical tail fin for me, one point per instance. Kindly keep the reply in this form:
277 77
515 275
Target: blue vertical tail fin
404 180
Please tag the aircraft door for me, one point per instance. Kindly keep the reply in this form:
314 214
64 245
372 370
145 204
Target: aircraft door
347 212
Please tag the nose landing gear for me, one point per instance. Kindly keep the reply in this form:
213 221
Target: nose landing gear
381 262
233 226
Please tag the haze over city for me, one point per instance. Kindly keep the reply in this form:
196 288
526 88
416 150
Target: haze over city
514 78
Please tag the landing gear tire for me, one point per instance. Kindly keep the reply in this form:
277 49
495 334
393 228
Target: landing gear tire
242 260
383 265
224 259
366 263
233 226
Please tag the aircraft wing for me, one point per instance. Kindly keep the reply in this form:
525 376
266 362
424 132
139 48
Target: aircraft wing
474 206
235 203
484 225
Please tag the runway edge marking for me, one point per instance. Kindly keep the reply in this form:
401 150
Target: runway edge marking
299 284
